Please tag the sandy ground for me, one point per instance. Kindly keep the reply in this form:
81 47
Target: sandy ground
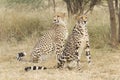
105 66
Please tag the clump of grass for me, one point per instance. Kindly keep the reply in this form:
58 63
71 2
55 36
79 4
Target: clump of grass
99 36
98 27
19 25
33 4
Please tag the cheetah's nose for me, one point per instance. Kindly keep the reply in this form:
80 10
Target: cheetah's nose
55 20
85 22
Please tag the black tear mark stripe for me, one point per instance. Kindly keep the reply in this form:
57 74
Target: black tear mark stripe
89 57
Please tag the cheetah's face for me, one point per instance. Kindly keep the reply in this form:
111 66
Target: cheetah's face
82 20
59 18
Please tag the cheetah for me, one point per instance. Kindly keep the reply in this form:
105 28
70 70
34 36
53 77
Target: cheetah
53 40
77 41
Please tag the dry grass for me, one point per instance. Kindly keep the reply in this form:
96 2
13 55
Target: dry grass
19 22
105 66
98 26
20 26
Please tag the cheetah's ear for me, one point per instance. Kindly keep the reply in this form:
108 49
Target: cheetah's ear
85 14
77 17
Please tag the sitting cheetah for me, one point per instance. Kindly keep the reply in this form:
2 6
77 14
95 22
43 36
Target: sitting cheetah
77 41
53 40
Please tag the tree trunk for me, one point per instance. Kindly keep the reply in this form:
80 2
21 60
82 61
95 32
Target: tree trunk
54 6
116 5
79 6
49 4
119 25
69 7
112 23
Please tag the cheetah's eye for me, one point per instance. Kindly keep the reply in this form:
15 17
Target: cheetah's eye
81 17
58 16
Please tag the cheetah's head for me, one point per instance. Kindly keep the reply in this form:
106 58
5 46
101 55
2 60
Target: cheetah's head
82 20
59 18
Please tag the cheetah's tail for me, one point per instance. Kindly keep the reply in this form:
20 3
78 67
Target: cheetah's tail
20 55
35 68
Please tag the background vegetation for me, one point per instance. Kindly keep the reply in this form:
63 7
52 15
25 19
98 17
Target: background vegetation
22 20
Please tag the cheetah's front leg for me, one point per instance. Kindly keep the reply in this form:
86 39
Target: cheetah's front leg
87 50
77 56
59 49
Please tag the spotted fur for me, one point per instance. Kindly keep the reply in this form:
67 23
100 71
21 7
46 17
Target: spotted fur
77 41
53 40
35 68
